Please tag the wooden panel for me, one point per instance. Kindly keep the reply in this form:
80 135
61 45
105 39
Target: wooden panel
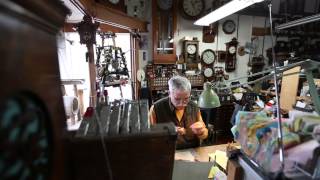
136 156
289 88
257 31
235 171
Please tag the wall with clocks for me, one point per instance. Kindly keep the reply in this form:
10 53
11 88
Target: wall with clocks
186 28
242 32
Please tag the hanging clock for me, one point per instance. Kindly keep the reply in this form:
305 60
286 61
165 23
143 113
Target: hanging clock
87 30
208 73
191 52
192 9
231 47
208 56
229 27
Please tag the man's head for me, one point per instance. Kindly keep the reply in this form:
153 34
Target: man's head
179 91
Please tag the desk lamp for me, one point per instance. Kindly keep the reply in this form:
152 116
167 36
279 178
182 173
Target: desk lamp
208 98
208 101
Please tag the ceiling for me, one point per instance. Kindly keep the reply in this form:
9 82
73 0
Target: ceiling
76 15
280 8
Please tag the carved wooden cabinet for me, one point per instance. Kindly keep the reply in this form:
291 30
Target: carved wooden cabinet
31 107
164 20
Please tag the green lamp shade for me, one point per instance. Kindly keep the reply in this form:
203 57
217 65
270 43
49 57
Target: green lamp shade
208 98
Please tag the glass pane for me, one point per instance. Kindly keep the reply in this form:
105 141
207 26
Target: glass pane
165 35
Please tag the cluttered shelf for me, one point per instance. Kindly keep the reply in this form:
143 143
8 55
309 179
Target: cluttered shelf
256 127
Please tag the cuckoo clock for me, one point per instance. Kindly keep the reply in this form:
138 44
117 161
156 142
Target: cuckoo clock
191 51
87 30
207 59
231 57
209 33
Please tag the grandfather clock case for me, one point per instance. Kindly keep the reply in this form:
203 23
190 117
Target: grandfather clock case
31 112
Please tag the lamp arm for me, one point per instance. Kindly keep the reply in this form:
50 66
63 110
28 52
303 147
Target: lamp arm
307 65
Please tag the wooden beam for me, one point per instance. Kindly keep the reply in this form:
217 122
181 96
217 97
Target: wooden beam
113 17
68 27
92 76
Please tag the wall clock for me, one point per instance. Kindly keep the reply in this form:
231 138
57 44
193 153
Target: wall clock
191 51
136 8
231 47
208 73
192 9
229 27
208 56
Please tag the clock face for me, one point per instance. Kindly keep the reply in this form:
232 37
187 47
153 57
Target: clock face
140 75
229 27
208 56
114 1
165 4
193 8
136 8
208 72
191 49
232 49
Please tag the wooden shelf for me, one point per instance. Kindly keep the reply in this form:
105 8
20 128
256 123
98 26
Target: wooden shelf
116 17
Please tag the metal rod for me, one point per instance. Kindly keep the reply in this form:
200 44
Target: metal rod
269 76
112 24
300 21
104 146
280 69
280 135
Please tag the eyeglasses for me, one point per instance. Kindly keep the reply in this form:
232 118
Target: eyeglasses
181 100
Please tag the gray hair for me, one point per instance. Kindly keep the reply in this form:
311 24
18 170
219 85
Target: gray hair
179 83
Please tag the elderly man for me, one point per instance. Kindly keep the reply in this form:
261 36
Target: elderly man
185 114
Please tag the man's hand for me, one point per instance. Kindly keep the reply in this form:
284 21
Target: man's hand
181 130
198 128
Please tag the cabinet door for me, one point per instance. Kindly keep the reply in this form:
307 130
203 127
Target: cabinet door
164 27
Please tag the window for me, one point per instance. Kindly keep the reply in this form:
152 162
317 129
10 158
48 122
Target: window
73 65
